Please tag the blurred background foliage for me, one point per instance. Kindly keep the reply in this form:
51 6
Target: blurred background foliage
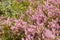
12 8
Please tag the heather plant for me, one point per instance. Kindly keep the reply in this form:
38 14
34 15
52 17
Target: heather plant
37 20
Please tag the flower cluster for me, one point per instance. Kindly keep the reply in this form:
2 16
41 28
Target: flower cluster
41 23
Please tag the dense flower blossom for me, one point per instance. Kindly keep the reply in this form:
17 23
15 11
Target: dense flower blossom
49 34
43 23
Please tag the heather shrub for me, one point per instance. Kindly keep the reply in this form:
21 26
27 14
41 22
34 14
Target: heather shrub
30 20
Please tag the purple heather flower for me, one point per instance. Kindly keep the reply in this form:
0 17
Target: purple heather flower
49 34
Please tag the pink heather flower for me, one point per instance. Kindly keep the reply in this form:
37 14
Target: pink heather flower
58 1
49 34
40 18
58 38
18 23
32 26
29 37
22 38
32 37
22 16
50 14
8 21
30 30
30 11
54 24
41 26
21 24
14 28
53 30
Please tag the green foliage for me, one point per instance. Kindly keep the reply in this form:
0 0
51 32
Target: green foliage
12 7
